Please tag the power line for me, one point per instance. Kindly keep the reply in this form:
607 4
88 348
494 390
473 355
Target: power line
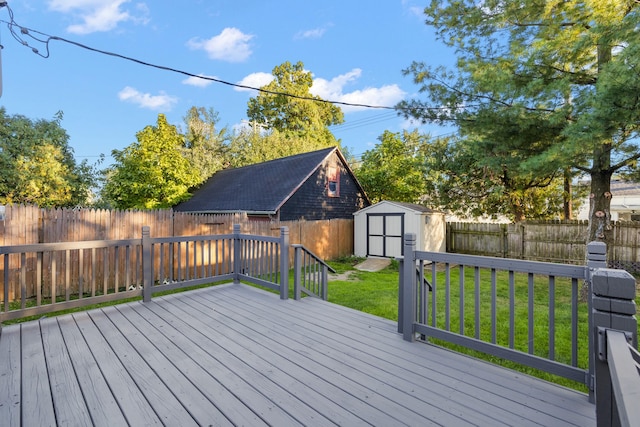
25 32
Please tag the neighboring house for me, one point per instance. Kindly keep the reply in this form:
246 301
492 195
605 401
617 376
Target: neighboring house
311 186
625 202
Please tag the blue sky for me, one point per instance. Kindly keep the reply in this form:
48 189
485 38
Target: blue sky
356 51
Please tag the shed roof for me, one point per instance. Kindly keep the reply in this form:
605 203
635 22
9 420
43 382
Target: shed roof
406 206
259 188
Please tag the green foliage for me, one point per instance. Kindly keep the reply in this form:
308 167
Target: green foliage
395 168
38 166
538 88
204 145
285 125
152 172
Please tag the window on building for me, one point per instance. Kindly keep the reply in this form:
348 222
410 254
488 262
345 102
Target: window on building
333 181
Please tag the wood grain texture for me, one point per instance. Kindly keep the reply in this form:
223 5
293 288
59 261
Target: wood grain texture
235 355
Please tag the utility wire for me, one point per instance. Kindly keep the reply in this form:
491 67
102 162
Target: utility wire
24 32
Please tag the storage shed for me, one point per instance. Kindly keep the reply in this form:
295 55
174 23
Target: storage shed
379 229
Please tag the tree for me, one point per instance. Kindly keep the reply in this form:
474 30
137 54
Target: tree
204 145
299 119
152 172
38 166
473 183
394 169
552 83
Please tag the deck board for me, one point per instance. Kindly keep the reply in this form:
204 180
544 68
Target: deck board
236 355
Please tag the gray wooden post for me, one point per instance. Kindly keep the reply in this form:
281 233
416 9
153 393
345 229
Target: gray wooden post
400 293
237 262
324 294
297 266
613 308
596 258
408 284
284 262
147 264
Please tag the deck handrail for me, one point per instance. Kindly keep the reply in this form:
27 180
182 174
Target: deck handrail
454 313
624 362
310 273
613 373
84 273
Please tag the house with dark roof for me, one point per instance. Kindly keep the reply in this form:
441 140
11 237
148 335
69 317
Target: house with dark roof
312 186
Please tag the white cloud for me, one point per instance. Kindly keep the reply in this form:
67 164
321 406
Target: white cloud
162 102
98 15
334 90
315 33
198 82
255 80
230 45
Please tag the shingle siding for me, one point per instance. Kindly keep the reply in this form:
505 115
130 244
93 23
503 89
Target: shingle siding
312 202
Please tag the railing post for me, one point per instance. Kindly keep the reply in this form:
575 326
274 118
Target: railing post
400 293
297 265
325 283
284 262
408 292
147 264
596 258
613 307
237 262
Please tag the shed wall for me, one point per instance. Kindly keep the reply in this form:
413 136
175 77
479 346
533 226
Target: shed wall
429 227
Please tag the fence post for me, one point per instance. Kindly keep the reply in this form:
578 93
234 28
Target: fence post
284 262
237 262
147 264
408 292
613 307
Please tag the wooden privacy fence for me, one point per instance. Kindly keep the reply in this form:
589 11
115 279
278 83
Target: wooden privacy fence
50 277
23 225
547 241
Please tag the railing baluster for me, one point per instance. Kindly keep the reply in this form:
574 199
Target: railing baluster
93 272
512 309
434 295
67 275
461 298
447 298
552 318
574 322
531 326
477 301
23 281
39 279
54 291
80 274
494 300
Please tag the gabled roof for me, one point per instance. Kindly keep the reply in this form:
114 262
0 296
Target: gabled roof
260 188
409 206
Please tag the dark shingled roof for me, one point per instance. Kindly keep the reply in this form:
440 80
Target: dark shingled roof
259 188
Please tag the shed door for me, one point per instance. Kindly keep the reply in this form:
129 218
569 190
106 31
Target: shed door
384 234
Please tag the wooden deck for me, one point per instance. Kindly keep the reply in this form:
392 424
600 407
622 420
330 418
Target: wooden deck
235 355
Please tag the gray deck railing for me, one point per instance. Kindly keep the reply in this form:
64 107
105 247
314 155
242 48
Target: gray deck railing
560 303
310 274
48 277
